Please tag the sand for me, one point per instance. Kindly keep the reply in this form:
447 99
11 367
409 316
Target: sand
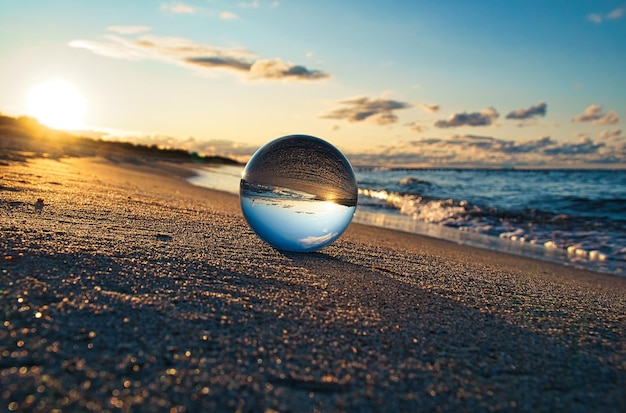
126 289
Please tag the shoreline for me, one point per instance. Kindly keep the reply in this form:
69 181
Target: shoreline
129 288
228 183
505 246
456 238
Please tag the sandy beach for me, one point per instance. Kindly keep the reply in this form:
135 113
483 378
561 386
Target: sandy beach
124 288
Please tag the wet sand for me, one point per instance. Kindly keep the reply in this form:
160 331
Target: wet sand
127 289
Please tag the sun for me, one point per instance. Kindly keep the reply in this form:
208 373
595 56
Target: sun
57 104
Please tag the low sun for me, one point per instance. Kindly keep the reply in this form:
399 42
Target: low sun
57 104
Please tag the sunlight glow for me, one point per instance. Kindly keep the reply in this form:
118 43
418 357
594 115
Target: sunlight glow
57 104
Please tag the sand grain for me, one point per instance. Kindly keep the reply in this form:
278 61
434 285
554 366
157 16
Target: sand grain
128 289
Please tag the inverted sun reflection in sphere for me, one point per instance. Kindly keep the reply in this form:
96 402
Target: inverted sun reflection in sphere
298 193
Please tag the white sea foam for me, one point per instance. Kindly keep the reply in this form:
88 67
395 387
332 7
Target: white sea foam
579 246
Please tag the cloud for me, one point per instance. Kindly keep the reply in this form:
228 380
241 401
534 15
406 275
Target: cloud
608 119
454 151
212 147
611 135
487 151
536 110
260 69
543 146
615 14
178 8
116 47
585 147
180 48
502 147
278 69
223 147
593 112
416 127
491 144
221 62
313 241
483 118
206 58
594 115
594 18
129 29
381 111
226 15
429 108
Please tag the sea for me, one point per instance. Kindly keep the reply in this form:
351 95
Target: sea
572 217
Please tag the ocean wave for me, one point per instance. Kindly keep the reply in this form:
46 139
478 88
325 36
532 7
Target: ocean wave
411 182
583 237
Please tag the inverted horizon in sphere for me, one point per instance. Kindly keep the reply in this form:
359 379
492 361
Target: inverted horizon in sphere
298 193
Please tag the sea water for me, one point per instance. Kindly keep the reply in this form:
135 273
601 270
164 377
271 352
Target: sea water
575 217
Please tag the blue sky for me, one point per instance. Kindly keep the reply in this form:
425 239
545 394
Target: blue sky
447 83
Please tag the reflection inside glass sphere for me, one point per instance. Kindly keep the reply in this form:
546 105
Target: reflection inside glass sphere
298 193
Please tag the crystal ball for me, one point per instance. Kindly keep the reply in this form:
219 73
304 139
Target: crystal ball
298 193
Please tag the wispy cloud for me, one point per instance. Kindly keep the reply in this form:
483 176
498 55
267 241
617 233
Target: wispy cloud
483 118
429 108
279 69
223 147
211 147
221 62
226 15
259 69
416 127
116 47
539 109
614 135
312 241
206 58
595 115
615 14
178 8
381 111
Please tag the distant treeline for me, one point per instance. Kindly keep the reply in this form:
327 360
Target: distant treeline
23 137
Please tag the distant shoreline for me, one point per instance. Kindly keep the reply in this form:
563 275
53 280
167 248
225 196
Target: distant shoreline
25 137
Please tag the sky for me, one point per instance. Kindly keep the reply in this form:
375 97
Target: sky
446 83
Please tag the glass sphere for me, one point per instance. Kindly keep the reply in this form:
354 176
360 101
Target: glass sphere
298 193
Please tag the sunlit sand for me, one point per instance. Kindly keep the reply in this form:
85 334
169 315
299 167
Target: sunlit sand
127 281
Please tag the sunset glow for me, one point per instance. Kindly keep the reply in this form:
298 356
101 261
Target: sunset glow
57 104
429 84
